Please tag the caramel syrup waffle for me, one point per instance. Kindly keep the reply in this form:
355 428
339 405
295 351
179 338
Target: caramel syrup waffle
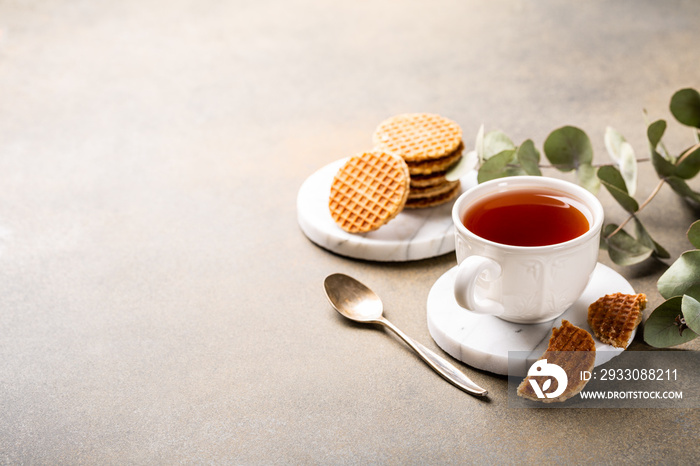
418 136
368 190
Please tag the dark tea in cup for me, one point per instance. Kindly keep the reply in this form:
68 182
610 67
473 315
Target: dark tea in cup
527 217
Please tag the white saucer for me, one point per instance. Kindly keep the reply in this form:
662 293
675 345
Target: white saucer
414 233
483 341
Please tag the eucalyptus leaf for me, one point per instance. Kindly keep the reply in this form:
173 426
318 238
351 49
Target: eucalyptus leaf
624 249
628 167
465 165
495 166
611 176
685 107
694 234
682 277
661 329
586 175
622 153
645 238
689 165
613 142
691 313
663 167
682 188
514 169
615 184
529 158
479 143
496 142
655 132
567 148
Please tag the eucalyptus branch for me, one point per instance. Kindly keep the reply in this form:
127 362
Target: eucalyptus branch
594 165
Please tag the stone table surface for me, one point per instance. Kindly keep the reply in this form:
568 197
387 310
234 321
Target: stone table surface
158 301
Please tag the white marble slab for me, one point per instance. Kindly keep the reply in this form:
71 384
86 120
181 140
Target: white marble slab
413 234
483 341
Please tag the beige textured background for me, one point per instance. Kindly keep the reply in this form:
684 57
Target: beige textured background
158 302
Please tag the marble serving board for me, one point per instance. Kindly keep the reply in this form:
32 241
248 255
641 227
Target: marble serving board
483 341
412 235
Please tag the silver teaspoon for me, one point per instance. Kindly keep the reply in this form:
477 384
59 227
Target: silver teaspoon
355 301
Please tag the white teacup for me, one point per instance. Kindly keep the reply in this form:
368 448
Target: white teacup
524 284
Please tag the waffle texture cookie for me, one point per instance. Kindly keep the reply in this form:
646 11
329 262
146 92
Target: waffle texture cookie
418 136
423 202
427 167
430 144
368 190
432 191
424 181
614 317
573 350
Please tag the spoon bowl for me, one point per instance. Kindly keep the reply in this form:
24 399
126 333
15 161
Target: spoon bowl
357 302
353 299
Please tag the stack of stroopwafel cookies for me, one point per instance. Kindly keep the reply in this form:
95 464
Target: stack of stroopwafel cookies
430 144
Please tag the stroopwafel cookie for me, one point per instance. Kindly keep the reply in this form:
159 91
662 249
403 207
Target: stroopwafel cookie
432 191
571 349
428 166
425 181
614 317
368 190
423 202
418 136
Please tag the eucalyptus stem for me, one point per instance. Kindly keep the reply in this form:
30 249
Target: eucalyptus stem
688 152
642 206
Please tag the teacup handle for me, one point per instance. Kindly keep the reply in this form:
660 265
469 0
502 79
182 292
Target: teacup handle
465 287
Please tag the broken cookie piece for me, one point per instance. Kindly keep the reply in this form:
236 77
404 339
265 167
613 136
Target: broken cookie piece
556 376
614 317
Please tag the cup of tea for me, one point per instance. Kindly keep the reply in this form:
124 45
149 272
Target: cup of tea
526 246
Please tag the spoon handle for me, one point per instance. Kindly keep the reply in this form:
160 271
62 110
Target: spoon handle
438 364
